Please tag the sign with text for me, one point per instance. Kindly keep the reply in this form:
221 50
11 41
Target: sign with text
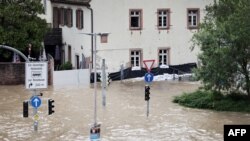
236 132
36 75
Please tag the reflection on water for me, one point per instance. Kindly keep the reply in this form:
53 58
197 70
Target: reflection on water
123 118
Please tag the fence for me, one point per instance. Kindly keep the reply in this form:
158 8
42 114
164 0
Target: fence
80 77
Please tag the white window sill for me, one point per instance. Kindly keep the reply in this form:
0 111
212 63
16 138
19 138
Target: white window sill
164 66
135 68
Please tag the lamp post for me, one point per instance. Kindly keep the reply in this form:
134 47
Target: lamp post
95 130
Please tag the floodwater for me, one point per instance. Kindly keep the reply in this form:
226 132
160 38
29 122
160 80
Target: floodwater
123 119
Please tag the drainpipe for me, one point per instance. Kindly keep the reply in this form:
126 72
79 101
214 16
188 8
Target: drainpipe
92 30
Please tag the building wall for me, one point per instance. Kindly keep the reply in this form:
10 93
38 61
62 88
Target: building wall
48 11
79 77
112 16
80 43
74 37
12 73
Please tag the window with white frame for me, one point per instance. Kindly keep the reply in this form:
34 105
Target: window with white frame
163 56
135 19
193 18
163 18
135 58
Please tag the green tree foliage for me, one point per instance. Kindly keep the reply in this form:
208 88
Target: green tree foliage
20 24
224 39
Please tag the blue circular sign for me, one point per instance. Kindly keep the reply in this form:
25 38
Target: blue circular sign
36 101
148 77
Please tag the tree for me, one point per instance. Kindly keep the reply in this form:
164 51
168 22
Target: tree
20 24
224 39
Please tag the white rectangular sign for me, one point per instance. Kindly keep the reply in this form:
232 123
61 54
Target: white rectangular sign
36 75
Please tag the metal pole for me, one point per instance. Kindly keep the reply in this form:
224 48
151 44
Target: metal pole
15 50
95 79
122 69
103 83
147 108
34 113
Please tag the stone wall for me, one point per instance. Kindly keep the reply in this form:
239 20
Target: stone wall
12 73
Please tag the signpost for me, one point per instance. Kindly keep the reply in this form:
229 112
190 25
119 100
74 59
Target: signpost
93 135
148 78
104 85
36 75
36 117
95 132
35 102
148 64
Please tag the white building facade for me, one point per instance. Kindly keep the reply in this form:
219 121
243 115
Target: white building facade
159 30
144 29
73 19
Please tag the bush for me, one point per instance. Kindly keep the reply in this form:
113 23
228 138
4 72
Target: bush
66 66
214 100
237 96
198 99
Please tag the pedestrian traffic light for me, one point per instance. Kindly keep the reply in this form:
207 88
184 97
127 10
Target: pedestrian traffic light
51 106
25 109
147 92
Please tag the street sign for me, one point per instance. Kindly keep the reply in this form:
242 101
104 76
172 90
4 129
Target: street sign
36 75
95 132
148 77
35 101
148 64
36 117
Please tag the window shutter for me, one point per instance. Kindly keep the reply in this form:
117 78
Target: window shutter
71 18
76 18
81 19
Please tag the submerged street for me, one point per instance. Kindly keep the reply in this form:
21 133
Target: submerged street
124 117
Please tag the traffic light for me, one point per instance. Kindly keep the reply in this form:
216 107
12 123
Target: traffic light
147 88
25 109
51 106
98 77
109 79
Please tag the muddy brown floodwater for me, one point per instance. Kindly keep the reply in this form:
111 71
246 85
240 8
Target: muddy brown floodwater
123 119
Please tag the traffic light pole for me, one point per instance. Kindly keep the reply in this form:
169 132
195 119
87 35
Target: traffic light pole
147 97
34 113
103 83
95 130
147 108
95 110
